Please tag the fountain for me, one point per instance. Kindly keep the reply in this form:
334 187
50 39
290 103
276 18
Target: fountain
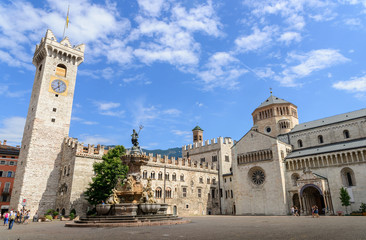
130 202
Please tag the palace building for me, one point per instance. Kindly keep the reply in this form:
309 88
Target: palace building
278 163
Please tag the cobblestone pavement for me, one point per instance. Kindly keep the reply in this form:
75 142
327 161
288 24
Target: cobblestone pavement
210 227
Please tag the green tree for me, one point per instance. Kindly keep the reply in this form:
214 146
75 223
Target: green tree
345 198
106 176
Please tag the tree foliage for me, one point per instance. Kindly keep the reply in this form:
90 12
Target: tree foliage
344 197
106 176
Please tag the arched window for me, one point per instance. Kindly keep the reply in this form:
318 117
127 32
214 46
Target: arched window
294 178
182 177
9 174
299 143
213 181
158 192
144 175
174 177
168 192
68 170
167 176
208 181
61 70
320 139
348 177
152 175
160 176
201 179
346 134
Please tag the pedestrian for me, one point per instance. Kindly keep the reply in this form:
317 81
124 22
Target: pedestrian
26 217
292 211
316 211
35 217
312 211
6 218
297 212
12 217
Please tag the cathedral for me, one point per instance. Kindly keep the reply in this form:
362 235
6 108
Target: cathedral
277 164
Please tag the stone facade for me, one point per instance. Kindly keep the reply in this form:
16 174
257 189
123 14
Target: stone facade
47 124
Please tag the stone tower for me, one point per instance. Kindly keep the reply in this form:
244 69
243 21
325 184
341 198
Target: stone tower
47 124
275 116
197 134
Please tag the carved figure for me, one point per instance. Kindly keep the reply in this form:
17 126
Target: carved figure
113 198
129 183
147 193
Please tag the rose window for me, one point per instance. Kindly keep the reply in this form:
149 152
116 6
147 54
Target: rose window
258 177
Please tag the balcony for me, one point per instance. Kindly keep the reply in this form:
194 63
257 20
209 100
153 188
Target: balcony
6 191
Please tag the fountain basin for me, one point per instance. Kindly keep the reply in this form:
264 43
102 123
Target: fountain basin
103 209
149 208
125 209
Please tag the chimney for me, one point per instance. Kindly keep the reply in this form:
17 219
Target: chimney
4 142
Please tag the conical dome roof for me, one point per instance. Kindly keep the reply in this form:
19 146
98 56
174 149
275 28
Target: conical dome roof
272 100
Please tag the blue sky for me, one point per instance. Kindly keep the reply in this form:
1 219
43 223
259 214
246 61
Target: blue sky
170 65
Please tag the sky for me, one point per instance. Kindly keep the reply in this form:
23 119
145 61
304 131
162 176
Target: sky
171 65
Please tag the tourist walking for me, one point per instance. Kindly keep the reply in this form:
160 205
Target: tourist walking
35 217
292 211
26 217
12 217
6 218
296 212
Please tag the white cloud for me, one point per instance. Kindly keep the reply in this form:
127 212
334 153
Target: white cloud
151 7
103 106
356 84
181 133
265 72
355 22
222 70
256 40
199 104
289 37
309 62
12 130
77 119
5 91
172 111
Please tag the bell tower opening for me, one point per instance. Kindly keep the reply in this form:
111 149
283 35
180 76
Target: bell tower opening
197 134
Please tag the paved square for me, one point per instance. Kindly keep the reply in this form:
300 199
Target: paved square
208 227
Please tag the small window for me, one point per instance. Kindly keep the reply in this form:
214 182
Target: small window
9 174
299 143
348 177
167 176
61 70
2 162
346 134
208 181
174 177
152 175
268 129
54 109
160 176
232 195
1 173
199 191
227 158
53 120
201 179
320 139
11 163
202 161
184 191
56 95
182 178
214 181
214 158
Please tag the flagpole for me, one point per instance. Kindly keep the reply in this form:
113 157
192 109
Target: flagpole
67 22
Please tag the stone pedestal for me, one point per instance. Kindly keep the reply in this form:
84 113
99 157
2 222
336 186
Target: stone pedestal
125 209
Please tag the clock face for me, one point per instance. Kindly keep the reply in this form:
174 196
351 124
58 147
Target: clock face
58 86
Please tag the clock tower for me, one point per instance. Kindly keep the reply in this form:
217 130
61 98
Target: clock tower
47 124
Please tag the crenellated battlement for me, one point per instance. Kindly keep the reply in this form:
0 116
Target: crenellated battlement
180 162
86 151
208 143
63 50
